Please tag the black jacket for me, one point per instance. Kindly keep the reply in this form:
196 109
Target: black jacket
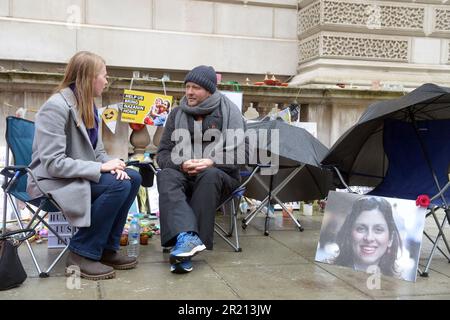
166 145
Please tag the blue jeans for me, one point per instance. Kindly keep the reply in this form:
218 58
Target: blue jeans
111 199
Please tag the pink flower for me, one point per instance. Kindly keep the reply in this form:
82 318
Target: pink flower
423 200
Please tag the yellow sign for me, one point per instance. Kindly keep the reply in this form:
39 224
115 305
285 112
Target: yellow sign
145 107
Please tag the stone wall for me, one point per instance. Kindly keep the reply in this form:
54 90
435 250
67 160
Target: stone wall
155 34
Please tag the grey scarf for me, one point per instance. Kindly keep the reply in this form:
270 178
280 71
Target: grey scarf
232 119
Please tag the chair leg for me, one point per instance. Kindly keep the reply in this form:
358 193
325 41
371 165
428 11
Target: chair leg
225 234
46 274
296 221
234 214
437 247
251 215
21 226
440 226
36 216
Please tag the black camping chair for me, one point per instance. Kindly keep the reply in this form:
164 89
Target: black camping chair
19 139
401 148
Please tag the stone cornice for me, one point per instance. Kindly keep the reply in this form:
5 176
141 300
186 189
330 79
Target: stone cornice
47 82
17 81
254 3
304 3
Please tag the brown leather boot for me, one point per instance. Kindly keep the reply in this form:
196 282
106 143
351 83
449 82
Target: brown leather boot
89 269
117 260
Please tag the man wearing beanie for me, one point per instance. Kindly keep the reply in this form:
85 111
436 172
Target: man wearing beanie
193 182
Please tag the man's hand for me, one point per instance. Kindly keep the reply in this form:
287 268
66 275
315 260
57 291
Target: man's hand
195 166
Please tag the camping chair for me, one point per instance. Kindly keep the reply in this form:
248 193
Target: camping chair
270 196
19 139
418 154
231 205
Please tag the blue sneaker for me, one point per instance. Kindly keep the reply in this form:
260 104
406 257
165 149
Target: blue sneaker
181 267
186 247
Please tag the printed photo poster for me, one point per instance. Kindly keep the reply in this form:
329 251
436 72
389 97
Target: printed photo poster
145 107
372 234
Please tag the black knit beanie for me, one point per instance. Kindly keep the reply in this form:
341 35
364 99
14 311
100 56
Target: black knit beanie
204 76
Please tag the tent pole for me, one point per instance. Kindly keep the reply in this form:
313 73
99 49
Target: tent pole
424 150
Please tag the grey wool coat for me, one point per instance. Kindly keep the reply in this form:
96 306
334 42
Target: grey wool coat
64 161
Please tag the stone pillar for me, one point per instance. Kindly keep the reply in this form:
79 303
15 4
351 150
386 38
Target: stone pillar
264 108
319 113
140 139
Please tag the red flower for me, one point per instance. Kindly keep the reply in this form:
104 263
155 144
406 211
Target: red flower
423 200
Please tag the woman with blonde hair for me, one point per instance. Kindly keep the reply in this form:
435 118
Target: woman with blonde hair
94 190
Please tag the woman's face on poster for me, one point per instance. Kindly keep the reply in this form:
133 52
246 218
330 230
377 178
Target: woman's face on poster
370 237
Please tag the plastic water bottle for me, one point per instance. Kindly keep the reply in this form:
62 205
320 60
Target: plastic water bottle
147 158
243 206
133 237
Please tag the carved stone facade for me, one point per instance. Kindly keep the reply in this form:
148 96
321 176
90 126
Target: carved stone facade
363 42
363 47
309 17
375 14
354 46
367 14
309 48
442 20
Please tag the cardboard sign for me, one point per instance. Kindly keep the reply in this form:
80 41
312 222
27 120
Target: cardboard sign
60 224
110 115
145 107
235 97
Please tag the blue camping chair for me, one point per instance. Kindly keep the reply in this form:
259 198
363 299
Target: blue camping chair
418 154
419 164
231 206
19 139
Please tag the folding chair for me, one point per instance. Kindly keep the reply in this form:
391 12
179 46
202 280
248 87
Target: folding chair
19 139
286 175
231 205
418 154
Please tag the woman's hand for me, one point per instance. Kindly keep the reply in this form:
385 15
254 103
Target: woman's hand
120 174
112 166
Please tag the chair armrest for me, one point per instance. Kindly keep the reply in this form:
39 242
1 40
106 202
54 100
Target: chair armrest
11 171
31 174
15 172
138 164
